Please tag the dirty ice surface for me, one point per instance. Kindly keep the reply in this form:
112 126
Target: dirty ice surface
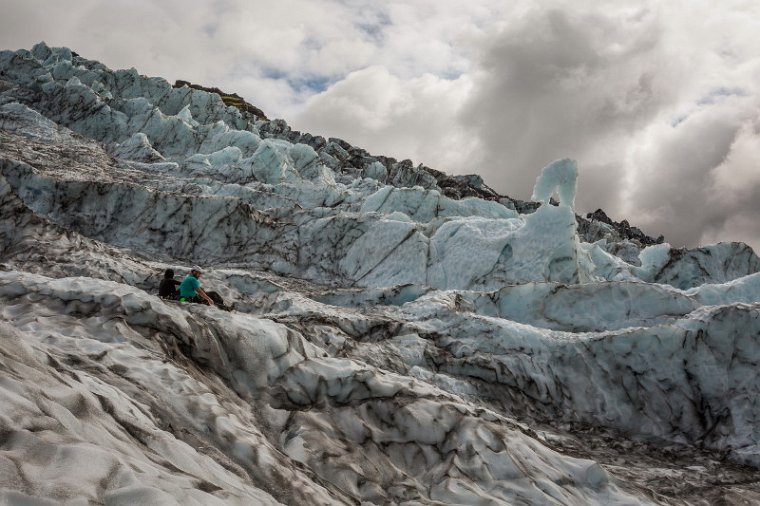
394 341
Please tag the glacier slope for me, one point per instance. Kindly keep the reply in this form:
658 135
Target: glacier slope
392 343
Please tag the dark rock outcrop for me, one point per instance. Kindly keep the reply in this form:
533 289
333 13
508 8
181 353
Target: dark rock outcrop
232 99
598 225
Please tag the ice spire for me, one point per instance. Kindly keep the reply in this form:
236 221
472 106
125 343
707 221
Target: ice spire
561 177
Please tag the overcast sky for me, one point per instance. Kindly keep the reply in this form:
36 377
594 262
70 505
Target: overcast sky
659 102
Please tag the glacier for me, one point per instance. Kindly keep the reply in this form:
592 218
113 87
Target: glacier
399 335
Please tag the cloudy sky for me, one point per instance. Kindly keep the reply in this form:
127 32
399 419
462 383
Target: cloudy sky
659 102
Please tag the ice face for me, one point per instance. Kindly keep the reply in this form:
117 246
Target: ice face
397 338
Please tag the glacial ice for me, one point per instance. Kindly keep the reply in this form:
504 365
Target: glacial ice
559 177
394 341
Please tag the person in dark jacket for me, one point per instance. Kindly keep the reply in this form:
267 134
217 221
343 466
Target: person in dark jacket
168 287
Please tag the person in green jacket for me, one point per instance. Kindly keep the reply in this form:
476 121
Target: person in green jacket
190 289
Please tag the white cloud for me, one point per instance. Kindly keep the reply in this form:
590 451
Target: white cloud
412 118
673 167
739 173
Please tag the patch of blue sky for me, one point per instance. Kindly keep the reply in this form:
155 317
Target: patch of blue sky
720 93
311 84
274 74
451 74
678 120
302 84
714 96
312 44
210 29
374 29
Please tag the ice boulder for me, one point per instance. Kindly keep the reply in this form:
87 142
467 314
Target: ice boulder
137 148
307 163
220 136
377 171
270 162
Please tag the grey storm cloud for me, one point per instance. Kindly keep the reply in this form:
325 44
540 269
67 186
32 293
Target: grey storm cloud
701 180
563 84
658 102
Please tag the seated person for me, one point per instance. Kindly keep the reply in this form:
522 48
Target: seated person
168 287
190 289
